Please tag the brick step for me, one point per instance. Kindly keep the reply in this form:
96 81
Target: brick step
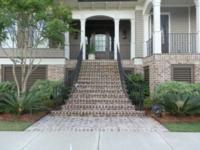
102 113
86 86
92 75
101 69
102 62
98 107
98 91
99 78
98 82
98 102
98 95
91 84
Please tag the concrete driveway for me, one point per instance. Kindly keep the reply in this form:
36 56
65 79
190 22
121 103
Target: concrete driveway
99 141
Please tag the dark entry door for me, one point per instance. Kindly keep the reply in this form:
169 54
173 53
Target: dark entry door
103 45
165 33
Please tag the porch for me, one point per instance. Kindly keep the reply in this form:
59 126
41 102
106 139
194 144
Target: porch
173 27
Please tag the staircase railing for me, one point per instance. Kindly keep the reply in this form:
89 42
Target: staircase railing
73 77
129 86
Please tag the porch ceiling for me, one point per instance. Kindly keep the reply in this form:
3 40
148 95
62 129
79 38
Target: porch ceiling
106 4
177 3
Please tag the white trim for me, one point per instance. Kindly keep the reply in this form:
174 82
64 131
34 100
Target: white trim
116 38
67 45
114 14
43 61
146 33
147 6
189 27
138 61
133 52
169 27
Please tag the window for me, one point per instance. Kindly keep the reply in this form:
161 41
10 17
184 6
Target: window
183 73
10 41
100 42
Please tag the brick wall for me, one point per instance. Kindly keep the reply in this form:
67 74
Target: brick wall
160 67
55 72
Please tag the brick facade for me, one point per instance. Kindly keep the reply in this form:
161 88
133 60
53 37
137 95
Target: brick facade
161 71
55 72
129 65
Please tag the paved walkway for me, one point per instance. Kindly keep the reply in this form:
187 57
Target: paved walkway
99 141
136 124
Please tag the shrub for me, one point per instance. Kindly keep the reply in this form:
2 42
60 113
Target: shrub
137 89
43 95
180 104
10 104
148 103
7 87
176 88
51 93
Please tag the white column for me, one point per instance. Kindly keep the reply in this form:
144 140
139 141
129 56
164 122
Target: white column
198 24
67 45
132 38
157 27
146 33
116 38
83 42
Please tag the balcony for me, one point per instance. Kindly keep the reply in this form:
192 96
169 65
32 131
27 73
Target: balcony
175 43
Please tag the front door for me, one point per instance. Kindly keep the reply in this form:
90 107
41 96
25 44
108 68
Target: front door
103 44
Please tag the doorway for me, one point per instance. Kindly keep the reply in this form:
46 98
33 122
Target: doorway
100 35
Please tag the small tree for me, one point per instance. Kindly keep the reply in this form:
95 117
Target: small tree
28 24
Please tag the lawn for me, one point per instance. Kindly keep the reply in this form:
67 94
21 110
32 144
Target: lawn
183 127
14 125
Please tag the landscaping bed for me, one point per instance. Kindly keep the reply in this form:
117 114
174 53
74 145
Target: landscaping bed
9 122
180 123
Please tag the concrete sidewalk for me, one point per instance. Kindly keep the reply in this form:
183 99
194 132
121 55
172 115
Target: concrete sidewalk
99 141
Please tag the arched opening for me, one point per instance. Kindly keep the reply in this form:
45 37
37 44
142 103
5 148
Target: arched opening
100 37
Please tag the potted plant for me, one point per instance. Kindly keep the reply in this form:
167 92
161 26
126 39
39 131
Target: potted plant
91 52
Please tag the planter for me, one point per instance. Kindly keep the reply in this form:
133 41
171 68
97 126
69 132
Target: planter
91 56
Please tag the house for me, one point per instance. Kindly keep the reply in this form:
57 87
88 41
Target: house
158 38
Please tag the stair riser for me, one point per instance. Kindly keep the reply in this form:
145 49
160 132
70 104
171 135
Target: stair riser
102 114
98 107
98 93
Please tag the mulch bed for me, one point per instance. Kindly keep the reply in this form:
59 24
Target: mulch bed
25 117
167 118
178 119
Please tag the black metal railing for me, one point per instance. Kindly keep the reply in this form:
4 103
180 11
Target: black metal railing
175 43
150 47
73 77
133 90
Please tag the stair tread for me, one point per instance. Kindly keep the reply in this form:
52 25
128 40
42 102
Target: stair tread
99 92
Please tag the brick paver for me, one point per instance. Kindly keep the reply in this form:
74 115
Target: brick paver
59 123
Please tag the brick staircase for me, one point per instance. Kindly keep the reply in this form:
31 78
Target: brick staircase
99 92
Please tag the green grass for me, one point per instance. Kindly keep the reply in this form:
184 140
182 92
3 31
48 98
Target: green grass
14 125
183 127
